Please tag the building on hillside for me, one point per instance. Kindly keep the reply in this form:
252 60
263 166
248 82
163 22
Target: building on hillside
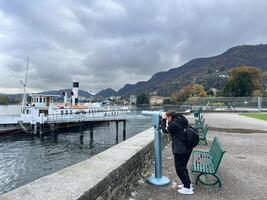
157 100
133 99
115 97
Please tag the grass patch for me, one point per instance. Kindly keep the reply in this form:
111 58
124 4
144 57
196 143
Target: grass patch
261 116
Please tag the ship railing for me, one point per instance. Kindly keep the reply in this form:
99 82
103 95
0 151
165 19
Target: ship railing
87 116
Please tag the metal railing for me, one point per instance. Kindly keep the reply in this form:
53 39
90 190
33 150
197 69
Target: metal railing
227 103
86 116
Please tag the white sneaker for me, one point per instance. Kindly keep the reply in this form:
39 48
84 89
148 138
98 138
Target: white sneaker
182 185
185 191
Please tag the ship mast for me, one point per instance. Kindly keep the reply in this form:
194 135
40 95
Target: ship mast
25 84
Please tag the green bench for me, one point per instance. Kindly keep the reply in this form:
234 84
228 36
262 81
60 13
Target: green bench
199 119
199 125
202 135
207 163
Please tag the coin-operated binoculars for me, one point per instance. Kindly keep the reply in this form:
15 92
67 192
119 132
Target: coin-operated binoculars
158 179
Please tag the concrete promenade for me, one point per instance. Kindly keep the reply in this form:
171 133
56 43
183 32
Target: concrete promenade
243 170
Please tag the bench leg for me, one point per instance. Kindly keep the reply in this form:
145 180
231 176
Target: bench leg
217 181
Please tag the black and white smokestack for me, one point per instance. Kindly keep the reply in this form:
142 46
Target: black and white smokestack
75 90
65 98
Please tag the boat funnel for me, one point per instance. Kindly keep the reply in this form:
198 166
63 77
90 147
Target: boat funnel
74 93
65 98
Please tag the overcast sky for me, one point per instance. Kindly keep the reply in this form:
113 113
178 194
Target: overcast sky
108 43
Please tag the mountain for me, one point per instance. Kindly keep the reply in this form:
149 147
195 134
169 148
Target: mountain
12 97
106 93
82 93
209 71
18 97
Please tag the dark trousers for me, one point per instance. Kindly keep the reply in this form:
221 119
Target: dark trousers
180 161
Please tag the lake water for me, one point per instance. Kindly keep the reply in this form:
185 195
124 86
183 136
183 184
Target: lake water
24 158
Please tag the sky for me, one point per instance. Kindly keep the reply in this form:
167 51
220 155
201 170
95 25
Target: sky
109 43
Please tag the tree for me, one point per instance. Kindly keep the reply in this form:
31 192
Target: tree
187 91
4 100
167 101
142 99
243 81
197 89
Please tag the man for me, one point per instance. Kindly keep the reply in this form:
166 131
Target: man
175 124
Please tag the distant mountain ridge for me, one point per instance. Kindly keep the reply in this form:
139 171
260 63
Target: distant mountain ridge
106 93
251 55
82 93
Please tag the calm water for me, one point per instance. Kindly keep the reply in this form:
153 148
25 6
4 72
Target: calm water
24 158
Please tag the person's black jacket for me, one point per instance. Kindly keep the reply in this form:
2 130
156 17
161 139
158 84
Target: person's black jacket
176 129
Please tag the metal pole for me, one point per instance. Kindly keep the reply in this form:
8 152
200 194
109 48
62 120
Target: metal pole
259 104
91 134
158 179
158 156
81 134
35 128
124 130
117 131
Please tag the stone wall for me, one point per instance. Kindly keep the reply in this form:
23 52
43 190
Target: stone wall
126 176
107 175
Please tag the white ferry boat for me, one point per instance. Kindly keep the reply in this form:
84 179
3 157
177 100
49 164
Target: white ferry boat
42 110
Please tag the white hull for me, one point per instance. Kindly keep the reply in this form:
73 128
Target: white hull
11 128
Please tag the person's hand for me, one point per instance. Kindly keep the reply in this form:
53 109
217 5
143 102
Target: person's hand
163 115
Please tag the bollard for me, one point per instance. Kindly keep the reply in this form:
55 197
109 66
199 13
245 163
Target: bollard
158 179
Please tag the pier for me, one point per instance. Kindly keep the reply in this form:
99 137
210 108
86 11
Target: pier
62 122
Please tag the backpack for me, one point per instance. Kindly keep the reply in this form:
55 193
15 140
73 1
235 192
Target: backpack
191 137
191 134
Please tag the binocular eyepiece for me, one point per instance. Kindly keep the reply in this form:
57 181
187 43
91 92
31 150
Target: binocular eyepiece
156 117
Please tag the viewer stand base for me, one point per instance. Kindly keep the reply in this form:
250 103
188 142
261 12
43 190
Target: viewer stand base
158 181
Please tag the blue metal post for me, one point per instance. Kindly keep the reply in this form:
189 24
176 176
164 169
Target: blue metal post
158 179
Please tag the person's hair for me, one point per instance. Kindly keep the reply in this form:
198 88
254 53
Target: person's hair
171 114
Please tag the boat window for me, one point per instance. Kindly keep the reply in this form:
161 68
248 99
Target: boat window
41 100
70 111
62 112
66 112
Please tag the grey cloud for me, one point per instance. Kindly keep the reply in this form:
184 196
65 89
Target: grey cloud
108 43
